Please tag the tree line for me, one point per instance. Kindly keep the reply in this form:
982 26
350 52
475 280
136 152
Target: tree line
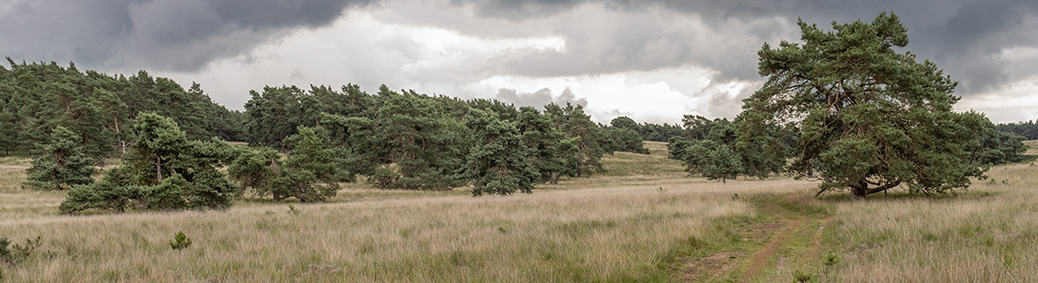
1027 129
36 98
649 131
302 143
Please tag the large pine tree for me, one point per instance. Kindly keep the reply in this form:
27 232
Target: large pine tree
870 118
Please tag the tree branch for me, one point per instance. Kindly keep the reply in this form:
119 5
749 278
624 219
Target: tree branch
883 188
821 191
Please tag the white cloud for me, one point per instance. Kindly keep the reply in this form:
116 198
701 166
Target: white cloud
359 49
1013 102
660 96
368 48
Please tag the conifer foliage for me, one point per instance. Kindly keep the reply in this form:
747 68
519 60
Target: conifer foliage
35 98
497 162
713 160
553 155
162 171
61 164
870 118
311 172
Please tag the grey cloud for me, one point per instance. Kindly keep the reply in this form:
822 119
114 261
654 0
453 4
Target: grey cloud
538 98
970 44
518 10
965 38
631 46
179 35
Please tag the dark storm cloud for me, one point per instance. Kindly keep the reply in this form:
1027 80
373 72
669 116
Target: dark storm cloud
538 98
965 38
180 35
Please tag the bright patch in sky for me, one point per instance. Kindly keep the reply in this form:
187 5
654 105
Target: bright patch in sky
360 49
1017 101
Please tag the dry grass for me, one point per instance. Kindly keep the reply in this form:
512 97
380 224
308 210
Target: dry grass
18 203
625 228
605 234
623 225
986 235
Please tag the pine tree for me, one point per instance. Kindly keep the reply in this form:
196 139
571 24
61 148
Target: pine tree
722 164
257 168
870 118
624 139
497 163
589 142
553 153
311 172
162 171
419 147
274 115
314 168
61 164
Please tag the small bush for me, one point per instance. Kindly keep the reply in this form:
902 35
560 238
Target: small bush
18 253
831 258
180 241
5 254
802 277
292 209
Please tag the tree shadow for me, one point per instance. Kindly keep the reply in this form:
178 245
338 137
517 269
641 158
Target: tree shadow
903 195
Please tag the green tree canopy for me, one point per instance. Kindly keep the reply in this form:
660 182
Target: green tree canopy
871 118
553 154
722 164
624 139
497 162
256 169
311 172
589 141
162 171
37 97
660 133
61 164
314 167
712 159
625 122
419 147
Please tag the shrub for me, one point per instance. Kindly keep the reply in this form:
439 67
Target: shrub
18 253
831 258
180 241
802 277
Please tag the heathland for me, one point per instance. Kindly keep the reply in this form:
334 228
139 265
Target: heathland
644 219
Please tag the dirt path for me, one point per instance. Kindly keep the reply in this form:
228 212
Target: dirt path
770 250
816 240
790 222
775 236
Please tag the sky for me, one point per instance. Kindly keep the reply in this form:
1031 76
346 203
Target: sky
651 60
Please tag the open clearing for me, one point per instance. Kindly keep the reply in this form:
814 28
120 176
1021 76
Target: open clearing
644 220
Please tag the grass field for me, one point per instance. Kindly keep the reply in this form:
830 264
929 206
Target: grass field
643 220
